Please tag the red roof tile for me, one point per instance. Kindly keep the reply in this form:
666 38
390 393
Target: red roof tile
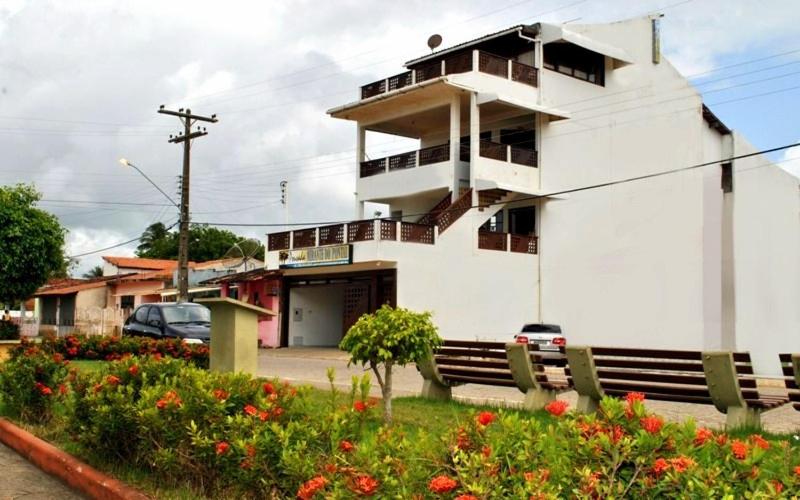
140 263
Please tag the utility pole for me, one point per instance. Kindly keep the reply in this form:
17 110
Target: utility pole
188 120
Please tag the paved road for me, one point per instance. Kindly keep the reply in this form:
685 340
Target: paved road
19 479
309 365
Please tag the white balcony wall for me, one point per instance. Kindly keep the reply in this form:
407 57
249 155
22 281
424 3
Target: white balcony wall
406 182
507 175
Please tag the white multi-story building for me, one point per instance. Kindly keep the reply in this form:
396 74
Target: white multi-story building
491 226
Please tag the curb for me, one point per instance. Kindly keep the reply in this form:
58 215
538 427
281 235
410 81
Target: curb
70 470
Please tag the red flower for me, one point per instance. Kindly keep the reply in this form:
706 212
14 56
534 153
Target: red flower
62 389
660 466
360 406
778 486
529 476
58 357
485 418
263 415
97 388
797 471
652 424
557 407
739 449
680 464
759 441
43 389
632 397
112 380
72 351
220 394
330 468
722 439
250 410
365 485
462 442
442 484
245 464
268 388
311 487
170 397
702 435
222 447
466 497
133 370
346 446
250 450
161 404
486 451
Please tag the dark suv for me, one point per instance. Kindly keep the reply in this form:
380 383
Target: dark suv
160 320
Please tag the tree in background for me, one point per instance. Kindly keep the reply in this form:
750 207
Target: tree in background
95 272
31 244
205 243
390 337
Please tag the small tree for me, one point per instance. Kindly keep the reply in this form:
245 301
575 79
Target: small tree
390 337
31 244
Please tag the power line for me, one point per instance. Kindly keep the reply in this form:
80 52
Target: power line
539 196
113 246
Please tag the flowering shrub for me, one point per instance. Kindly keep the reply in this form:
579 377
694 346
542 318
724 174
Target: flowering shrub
31 383
115 348
233 436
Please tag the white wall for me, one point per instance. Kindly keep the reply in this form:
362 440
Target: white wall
767 259
321 311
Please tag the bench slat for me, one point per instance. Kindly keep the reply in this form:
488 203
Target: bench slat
474 344
654 365
479 380
660 389
627 352
477 363
471 353
657 396
664 378
479 373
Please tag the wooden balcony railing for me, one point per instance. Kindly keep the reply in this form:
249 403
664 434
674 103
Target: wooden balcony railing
489 240
361 231
508 153
331 235
304 238
524 244
388 230
416 233
278 241
456 63
403 161
445 218
517 243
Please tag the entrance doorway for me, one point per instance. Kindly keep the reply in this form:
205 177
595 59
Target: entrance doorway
318 310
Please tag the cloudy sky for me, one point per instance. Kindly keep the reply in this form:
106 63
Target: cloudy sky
80 82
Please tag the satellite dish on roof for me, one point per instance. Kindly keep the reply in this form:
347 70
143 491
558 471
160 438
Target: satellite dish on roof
240 253
434 41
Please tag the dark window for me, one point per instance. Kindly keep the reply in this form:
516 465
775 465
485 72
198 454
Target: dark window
575 61
494 224
727 178
154 315
126 301
519 138
141 315
536 328
522 221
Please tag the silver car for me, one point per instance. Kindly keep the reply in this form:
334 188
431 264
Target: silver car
548 338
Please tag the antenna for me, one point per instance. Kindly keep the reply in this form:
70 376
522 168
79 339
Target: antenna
240 253
434 41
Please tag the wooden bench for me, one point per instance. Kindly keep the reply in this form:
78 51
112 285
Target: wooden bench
460 362
790 363
723 379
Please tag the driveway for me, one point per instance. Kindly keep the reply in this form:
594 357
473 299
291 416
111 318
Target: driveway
308 365
23 480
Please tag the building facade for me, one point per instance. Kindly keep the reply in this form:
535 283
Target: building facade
520 206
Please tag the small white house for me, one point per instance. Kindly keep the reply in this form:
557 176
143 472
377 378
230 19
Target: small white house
490 228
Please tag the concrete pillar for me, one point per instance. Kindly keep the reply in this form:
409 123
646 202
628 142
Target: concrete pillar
361 155
234 334
728 264
455 140
474 142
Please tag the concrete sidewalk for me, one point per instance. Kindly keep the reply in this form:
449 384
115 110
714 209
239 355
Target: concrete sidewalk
21 479
308 365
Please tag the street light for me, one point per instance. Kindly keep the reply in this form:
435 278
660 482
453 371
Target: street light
127 163
183 241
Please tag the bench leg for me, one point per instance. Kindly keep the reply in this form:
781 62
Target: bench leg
587 404
431 389
739 416
536 399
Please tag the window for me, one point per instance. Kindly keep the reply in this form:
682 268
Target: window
575 61
186 313
154 315
141 315
494 224
126 301
519 138
522 221
727 178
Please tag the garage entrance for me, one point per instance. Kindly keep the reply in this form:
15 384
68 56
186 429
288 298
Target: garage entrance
319 309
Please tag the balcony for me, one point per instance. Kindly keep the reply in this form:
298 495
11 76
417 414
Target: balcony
507 242
403 161
457 63
352 232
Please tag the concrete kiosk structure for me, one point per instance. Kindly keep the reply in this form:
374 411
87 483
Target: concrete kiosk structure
234 334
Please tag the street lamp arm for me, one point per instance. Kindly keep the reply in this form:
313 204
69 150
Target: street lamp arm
129 164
